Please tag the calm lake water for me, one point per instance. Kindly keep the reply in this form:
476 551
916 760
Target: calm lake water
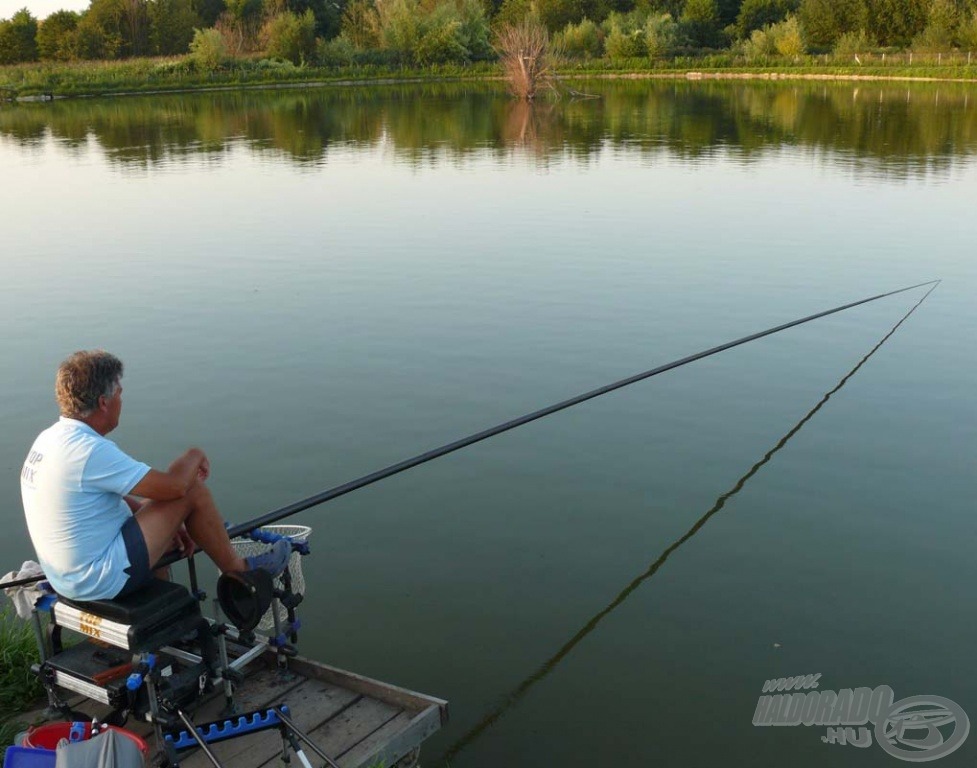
314 284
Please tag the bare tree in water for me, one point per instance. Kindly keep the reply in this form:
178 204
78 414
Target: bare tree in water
527 59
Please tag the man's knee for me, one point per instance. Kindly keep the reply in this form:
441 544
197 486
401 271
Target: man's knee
198 493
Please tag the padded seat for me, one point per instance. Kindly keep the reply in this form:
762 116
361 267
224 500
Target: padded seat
157 603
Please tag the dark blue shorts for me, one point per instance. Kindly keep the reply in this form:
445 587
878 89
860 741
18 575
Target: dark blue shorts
138 570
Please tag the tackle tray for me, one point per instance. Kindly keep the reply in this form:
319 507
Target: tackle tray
94 663
100 672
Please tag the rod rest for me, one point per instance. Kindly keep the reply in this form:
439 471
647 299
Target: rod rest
229 728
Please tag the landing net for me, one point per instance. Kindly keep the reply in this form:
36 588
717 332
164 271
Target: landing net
247 547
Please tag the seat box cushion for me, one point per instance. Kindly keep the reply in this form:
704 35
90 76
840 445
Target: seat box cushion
157 602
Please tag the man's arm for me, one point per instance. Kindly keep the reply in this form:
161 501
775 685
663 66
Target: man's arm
176 481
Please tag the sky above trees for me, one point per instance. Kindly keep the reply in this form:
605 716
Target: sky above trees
40 8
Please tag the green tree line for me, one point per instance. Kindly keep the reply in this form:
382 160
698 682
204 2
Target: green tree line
423 32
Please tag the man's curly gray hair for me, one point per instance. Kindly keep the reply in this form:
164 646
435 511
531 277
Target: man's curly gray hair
83 378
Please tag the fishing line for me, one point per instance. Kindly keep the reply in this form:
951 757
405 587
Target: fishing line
517 693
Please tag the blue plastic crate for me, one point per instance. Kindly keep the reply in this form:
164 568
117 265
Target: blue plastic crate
29 757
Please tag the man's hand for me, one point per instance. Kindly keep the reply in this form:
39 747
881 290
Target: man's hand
193 466
183 542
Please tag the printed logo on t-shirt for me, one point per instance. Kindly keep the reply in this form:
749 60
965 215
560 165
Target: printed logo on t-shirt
30 467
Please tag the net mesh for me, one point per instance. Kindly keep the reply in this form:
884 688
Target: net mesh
247 548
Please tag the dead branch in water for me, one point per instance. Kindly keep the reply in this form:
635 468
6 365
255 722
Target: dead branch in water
527 60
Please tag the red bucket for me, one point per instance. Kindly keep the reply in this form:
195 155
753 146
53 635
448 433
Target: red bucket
48 736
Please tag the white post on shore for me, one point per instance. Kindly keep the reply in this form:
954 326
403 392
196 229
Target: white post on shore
910 58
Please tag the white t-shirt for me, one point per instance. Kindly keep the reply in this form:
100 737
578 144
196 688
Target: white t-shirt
72 484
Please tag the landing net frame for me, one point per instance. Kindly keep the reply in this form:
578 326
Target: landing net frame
246 547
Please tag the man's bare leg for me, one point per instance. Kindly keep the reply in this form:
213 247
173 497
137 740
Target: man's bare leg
135 504
160 520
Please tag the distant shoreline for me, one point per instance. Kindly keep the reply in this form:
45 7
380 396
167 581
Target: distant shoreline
777 75
67 81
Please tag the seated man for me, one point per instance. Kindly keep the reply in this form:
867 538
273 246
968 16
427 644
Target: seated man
92 538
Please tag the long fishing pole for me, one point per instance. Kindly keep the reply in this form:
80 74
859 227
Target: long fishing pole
421 458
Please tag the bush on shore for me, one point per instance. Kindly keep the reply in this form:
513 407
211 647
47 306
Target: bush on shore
208 51
414 33
290 37
580 41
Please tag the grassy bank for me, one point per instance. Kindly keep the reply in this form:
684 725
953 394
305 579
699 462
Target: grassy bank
88 78
176 74
720 66
19 688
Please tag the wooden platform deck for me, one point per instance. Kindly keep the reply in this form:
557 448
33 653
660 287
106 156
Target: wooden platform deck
357 721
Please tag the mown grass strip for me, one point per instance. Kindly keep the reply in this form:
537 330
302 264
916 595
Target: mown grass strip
179 74
147 75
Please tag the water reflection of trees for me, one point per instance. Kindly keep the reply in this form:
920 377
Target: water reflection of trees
889 128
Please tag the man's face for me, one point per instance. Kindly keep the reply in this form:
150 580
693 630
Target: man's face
114 406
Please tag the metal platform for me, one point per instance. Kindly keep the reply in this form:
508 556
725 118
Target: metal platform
357 721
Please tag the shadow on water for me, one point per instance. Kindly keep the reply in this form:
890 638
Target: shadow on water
517 693
890 129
